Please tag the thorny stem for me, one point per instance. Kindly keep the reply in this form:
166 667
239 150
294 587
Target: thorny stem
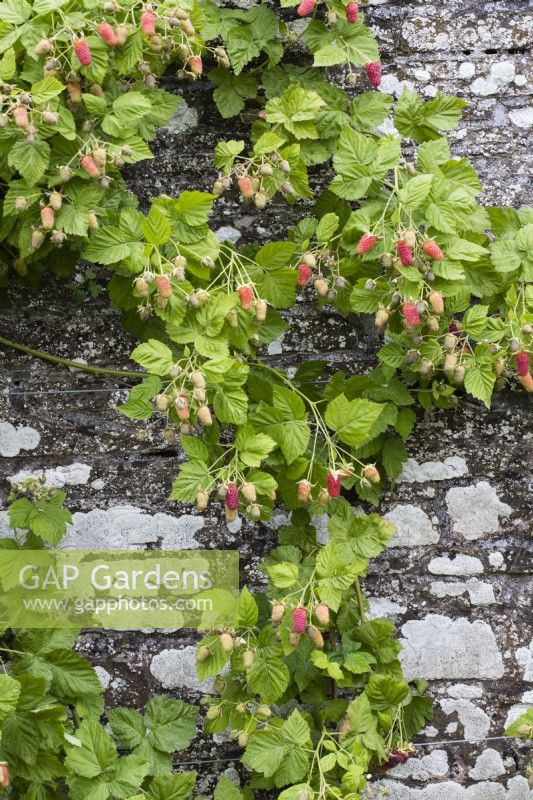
360 600
66 362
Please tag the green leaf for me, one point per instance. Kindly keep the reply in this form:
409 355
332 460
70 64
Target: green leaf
227 790
327 226
394 455
231 404
415 191
253 447
275 255
154 356
9 695
30 159
14 12
127 726
96 753
138 405
352 420
283 575
156 227
49 521
170 723
281 753
171 787
248 609
45 90
279 287
295 110
268 676
226 152
193 475
479 382
8 65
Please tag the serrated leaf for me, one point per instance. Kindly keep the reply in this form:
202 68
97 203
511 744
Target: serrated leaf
30 159
154 356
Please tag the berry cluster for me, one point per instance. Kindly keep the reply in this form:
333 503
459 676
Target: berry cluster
257 179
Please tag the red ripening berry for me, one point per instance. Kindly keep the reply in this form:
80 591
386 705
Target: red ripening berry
232 497
246 296
20 115
366 243
195 65
5 782
432 250
405 253
410 315
373 71
306 7
299 620
47 218
333 481
304 273
89 165
164 287
107 34
148 22
522 363
246 187
83 54
352 13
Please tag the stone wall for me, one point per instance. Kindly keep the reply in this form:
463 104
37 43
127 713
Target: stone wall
456 577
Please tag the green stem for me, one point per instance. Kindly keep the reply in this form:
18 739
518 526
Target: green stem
66 362
360 600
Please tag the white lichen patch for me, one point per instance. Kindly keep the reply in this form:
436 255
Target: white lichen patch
480 593
465 691
55 478
184 119
517 789
475 510
228 234
383 607
439 647
390 84
452 467
496 559
413 526
484 87
103 676
522 117
432 765
13 440
460 565
129 528
474 721
524 656
489 764
176 669
467 70
503 72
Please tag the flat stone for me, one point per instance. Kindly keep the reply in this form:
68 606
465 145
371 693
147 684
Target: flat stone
383 607
176 669
489 764
55 478
184 119
460 565
522 117
439 647
452 467
524 656
475 510
413 526
432 765
13 440
480 593
475 722
129 528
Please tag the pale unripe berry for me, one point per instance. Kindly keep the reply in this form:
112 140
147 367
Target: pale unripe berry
162 401
409 238
276 615
202 653
202 500
226 641
321 287
249 492
197 378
